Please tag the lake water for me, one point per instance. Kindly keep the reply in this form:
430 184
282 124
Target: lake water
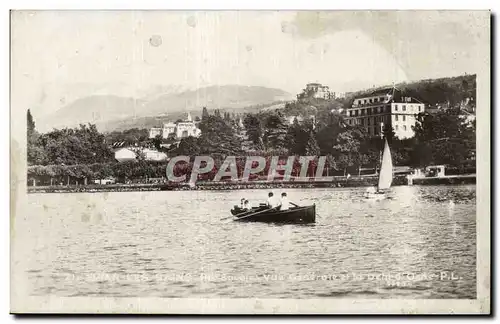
419 243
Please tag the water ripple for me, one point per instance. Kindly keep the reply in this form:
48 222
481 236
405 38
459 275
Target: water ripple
421 243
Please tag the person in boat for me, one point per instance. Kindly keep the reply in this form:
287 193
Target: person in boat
272 202
246 205
241 206
372 191
285 203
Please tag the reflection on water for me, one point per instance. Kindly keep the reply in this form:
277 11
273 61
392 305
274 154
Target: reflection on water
418 243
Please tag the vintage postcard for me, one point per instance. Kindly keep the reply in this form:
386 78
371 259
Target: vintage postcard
250 162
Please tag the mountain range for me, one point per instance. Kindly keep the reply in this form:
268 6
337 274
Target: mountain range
111 112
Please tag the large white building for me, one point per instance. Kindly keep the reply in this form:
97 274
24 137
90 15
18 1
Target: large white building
154 155
132 153
125 154
181 129
385 107
168 128
317 90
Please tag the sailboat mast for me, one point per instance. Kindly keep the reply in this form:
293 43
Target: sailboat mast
385 174
380 153
382 142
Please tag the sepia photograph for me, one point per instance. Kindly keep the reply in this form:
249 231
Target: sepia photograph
250 162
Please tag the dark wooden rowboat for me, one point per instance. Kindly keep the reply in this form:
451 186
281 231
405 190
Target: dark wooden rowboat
296 215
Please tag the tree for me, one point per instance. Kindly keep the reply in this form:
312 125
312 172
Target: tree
443 138
293 137
188 146
102 170
275 133
157 141
298 137
402 150
344 161
439 91
129 137
35 154
204 113
218 137
172 137
253 127
388 132
31 125
304 108
312 148
83 145
347 147
327 133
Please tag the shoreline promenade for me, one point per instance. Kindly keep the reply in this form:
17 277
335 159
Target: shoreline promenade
250 185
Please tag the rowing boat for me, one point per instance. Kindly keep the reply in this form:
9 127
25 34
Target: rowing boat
295 215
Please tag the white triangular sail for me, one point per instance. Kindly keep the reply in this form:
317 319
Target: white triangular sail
385 176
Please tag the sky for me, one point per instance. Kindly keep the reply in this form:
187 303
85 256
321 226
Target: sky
60 56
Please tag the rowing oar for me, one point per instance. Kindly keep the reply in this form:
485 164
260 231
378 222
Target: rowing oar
248 211
265 210
227 217
252 214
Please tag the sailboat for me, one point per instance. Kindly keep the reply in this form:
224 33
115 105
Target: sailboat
385 175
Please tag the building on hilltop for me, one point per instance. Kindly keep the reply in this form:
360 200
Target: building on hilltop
385 107
317 90
181 129
168 128
338 95
186 129
155 131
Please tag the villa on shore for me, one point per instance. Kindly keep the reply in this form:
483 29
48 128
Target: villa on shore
179 129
